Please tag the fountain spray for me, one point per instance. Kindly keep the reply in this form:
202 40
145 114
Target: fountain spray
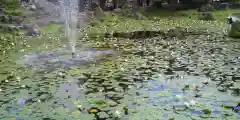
69 10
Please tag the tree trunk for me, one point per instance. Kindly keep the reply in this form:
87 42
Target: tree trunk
115 4
172 5
102 3
157 4
148 2
135 5
140 3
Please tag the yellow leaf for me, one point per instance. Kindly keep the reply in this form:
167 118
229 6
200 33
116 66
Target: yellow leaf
93 111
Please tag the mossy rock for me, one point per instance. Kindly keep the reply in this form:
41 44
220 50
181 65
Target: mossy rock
234 30
206 16
4 19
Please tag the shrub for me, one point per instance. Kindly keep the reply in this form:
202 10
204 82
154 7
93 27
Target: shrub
15 12
10 4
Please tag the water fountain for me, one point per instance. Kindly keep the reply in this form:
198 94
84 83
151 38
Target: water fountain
69 14
62 58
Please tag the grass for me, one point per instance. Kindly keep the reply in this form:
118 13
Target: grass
16 12
160 21
51 28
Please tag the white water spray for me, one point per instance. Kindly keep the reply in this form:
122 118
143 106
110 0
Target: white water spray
69 13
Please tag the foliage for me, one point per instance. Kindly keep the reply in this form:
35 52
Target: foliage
10 4
15 12
235 1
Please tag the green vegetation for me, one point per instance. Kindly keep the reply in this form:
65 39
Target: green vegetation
129 85
10 4
15 12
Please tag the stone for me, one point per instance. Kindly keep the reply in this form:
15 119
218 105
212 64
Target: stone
206 16
23 4
14 28
139 16
33 7
33 30
117 10
16 19
234 25
109 5
4 18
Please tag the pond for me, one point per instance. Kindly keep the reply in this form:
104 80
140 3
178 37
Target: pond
123 87
155 77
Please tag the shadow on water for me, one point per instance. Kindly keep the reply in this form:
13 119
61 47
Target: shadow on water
131 35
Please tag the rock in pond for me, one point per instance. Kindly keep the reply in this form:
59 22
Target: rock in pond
234 25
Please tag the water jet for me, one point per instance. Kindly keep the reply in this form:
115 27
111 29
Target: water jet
69 13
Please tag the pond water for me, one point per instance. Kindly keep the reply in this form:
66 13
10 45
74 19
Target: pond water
51 85
167 99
